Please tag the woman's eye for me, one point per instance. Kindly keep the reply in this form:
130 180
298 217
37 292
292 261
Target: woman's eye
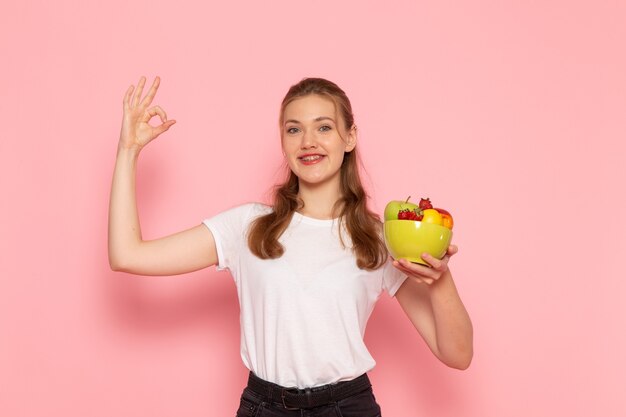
292 130
325 128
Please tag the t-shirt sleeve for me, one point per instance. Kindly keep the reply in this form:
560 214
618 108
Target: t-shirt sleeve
229 229
392 277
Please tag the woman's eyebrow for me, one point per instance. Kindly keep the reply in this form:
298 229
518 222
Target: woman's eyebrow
317 119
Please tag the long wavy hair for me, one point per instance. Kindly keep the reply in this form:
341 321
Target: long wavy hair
362 225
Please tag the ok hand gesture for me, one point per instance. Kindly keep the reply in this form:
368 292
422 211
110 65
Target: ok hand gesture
136 129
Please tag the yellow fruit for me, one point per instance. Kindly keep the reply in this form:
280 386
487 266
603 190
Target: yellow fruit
432 216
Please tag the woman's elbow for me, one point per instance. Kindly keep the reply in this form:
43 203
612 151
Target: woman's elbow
461 359
118 264
115 265
462 364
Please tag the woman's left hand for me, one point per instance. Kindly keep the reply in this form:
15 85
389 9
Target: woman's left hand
423 273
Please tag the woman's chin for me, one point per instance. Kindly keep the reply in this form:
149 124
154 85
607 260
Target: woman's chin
316 181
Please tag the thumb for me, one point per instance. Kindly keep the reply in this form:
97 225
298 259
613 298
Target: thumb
163 127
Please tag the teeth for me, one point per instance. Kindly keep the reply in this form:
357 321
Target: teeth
311 158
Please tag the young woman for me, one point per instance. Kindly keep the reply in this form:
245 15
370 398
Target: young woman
308 269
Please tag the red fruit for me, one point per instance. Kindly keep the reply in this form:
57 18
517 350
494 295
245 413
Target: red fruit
407 214
425 203
447 218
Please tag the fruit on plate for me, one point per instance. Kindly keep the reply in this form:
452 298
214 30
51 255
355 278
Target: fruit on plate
447 218
412 229
394 208
432 216
424 211
425 203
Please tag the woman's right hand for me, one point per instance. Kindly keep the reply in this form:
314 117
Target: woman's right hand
136 129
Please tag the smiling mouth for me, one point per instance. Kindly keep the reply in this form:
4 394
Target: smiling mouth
311 158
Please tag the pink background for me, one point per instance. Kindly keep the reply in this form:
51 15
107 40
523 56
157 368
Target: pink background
509 114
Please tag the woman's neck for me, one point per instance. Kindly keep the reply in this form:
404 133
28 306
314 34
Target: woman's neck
319 199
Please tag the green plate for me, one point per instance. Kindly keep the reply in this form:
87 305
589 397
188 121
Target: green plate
408 239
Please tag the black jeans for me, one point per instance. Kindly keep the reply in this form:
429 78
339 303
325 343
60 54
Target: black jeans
360 404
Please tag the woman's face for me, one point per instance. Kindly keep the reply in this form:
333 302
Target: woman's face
311 141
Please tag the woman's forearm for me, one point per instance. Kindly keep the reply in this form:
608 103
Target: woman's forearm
124 228
453 325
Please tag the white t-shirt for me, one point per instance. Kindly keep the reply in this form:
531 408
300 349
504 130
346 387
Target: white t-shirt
303 315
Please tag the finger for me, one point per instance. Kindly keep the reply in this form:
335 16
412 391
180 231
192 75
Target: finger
432 261
127 96
423 269
452 249
401 267
155 111
415 270
142 82
151 93
423 280
165 126
158 110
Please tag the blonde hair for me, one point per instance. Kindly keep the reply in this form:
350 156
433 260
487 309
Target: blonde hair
362 225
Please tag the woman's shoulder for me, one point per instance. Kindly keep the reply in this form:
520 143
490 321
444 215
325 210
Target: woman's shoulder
257 208
243 211
250 209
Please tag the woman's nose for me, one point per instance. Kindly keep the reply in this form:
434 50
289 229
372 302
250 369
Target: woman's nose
308 140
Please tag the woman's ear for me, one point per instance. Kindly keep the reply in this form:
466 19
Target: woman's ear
351 139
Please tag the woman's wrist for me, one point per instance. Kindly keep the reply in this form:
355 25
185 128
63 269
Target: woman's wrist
444 286
128 151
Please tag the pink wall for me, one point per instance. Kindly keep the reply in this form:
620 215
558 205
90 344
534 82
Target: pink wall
509 114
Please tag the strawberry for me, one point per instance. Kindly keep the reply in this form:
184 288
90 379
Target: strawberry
404 214
425 203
